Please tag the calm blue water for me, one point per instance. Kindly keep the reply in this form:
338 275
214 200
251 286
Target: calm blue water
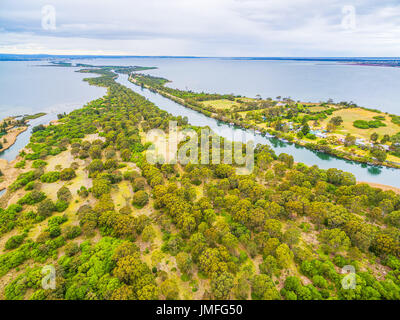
28 88
372 87
362 172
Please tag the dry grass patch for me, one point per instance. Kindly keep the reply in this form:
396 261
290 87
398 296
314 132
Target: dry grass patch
353 114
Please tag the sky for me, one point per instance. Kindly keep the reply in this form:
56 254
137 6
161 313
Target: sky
234 28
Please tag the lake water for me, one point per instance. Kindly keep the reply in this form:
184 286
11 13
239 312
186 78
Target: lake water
368 86
27 88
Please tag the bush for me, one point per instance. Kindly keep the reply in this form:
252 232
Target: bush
14 242
95 166
72 232
50 177
61 205
46 208
100 187
140 198
30 186
131 175
363 124
64 194
67 174
39 164
311 136
20 164
83 192
54 223
139 184
71 249
54 231
23 179
32 197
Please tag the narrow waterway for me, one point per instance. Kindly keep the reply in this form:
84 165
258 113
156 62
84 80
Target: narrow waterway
362 172
23 138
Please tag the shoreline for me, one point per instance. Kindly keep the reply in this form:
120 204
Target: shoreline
305 144
384 187
12 136
181 102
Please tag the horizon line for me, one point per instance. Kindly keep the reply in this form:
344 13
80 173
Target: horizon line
191 56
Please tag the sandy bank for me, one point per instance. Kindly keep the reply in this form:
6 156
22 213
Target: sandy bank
381 186
11 137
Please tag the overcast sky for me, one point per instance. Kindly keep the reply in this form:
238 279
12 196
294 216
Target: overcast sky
202 27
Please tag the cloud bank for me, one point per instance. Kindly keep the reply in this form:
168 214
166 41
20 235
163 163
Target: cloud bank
202 27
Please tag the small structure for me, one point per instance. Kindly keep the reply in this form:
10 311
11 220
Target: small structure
318 134
360 142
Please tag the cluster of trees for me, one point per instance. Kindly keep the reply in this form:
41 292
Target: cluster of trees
363 124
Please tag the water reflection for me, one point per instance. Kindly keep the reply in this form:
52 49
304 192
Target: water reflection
374 170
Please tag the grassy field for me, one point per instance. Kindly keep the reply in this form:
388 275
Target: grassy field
220 104
350 115
317 108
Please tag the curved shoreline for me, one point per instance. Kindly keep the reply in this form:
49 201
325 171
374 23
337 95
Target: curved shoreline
308 145
381 186
362 177
12 137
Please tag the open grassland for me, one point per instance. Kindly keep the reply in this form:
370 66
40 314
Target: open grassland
221 104
353 114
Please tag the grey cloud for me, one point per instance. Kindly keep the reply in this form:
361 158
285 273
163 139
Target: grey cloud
204 27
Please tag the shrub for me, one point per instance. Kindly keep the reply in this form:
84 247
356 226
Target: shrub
61 205
100 187
311 136
32 197
71 249
67 174
20 164
30 186
39 163
14 242
46 208
83 192
72 232
23 179
139 184
50 177
64 194
95 166
363 124
131 175
140 198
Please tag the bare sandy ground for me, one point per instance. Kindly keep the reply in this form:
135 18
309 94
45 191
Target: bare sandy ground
381 186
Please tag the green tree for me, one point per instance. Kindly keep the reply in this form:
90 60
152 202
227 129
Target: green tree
334 239
169 289
184 262
140 198
67 174
284 256
222 285
374 137
305 129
